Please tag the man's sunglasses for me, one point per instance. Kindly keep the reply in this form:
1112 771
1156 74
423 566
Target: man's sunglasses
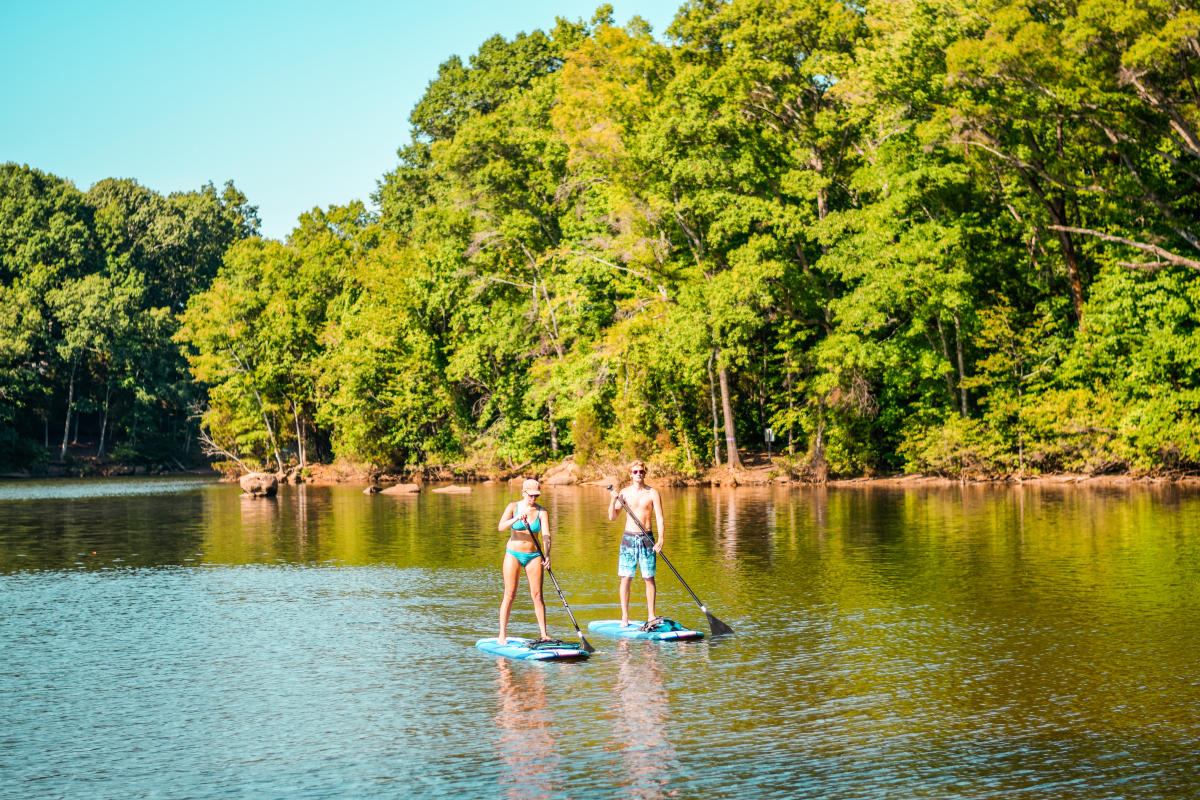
637 472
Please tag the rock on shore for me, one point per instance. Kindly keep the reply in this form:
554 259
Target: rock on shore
259 484
566 473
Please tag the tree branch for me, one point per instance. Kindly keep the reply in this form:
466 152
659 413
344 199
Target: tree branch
662 290
1165 255
209 447
1025 165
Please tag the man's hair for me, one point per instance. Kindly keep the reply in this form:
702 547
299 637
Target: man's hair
637 462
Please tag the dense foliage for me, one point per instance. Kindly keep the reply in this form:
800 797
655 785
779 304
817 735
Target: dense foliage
91 288
947 235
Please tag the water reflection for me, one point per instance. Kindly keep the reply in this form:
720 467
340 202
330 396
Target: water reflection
259 512
729 531
525 721
639 721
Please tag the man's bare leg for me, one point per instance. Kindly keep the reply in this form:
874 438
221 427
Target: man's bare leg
651 593
623 591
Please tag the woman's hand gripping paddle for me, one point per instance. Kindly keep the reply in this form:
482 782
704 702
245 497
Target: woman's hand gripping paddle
538 546
717 627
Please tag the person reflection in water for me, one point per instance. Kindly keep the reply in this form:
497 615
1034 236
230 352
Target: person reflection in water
639 723
521 518
526 728
637 553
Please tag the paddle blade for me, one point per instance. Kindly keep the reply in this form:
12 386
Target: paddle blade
717 627
586 647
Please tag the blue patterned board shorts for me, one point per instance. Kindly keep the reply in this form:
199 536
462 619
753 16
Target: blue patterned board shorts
636 553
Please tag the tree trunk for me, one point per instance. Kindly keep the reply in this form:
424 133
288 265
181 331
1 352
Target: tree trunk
712 393
962 373
299 433
1056 207
62 454
274 439
731 451
949 362
687 445
552 328
762 393
104 421
1020 432
1072 259
818 165
270 430
787 360
820 466
553 429
262 410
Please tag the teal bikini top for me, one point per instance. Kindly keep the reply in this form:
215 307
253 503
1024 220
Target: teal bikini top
519 525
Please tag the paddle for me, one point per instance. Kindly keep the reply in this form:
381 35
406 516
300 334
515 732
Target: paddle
717 627
538 546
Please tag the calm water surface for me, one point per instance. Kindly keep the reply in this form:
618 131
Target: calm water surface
169 639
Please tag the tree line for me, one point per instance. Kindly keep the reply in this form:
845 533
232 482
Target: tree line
92 285
943 235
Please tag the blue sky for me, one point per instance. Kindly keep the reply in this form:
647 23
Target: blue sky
300 103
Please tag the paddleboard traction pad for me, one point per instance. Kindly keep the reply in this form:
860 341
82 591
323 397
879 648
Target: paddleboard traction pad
519 648
613 627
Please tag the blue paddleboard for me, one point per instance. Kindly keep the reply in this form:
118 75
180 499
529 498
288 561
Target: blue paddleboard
613 627
519 648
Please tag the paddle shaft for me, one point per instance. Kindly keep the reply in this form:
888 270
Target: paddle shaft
538 546
714 623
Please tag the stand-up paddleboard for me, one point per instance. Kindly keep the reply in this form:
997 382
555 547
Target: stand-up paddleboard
532 650
666 629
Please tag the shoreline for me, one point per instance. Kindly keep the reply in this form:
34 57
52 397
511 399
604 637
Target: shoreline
567 473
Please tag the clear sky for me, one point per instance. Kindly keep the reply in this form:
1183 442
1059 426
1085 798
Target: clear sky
300 103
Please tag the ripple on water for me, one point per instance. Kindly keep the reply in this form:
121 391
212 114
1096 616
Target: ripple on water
70 489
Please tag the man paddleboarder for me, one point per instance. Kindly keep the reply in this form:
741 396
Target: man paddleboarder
637 551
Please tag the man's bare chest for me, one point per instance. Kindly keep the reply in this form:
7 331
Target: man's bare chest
642 503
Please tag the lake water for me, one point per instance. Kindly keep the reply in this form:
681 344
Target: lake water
170 639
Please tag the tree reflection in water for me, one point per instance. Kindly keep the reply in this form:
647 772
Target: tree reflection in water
639 721
523 718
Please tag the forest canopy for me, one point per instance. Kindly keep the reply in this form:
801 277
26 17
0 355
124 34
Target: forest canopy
948 236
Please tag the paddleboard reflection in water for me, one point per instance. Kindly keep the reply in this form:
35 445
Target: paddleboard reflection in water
528 758
639 717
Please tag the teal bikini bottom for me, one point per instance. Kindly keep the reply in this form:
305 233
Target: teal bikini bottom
522 558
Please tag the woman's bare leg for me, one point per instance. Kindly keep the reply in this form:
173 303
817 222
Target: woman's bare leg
533 571
511 571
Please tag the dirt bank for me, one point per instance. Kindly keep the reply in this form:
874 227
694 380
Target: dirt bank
758 470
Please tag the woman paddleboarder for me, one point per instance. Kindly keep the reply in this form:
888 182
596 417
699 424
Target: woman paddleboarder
520 518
